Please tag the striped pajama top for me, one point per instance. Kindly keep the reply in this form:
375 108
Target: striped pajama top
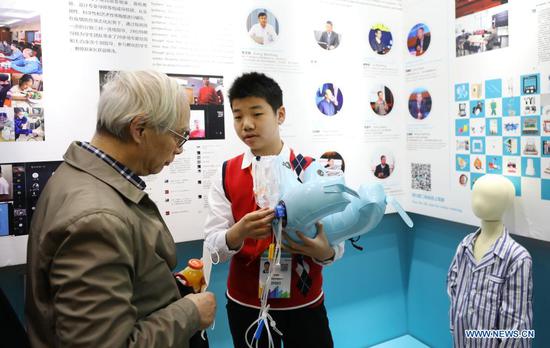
492 294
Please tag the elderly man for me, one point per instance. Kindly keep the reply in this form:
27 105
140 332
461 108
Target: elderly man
100 256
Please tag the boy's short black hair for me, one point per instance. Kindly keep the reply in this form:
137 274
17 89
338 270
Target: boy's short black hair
257 85
262 14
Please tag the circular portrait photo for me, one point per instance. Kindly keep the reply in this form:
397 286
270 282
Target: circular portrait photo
382 164
327 38
381 100
420 103
380 39
262 27
418 40
329 99
333 163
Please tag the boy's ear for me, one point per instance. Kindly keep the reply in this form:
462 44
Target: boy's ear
281 115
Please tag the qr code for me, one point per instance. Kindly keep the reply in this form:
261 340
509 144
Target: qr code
421 176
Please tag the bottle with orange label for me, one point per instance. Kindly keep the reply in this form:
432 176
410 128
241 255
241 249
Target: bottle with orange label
192 275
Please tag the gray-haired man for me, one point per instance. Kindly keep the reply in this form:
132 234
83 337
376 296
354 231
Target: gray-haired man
99 254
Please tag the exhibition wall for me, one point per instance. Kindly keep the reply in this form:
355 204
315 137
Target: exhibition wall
86 39
443 91
409 83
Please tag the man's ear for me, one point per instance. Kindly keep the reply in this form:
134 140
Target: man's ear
281 115
136 129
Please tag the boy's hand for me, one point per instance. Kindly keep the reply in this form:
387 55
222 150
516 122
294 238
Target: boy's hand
255 225
317 248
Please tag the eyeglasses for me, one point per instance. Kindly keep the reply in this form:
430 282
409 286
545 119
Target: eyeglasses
182 138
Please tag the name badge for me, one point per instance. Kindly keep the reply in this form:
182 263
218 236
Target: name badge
280 279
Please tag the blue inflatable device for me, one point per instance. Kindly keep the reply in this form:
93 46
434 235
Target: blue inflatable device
344 213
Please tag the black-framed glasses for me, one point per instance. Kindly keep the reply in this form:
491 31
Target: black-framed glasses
182 138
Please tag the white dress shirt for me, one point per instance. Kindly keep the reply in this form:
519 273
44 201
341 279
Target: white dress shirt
267 34
220 217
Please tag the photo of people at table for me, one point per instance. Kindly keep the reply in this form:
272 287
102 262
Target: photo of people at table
7 130
29 124
480 26
21 85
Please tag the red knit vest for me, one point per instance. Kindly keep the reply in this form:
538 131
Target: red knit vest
243 280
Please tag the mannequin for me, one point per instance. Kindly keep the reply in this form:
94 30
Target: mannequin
491 196
489 282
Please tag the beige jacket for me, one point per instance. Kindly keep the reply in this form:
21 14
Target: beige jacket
99 264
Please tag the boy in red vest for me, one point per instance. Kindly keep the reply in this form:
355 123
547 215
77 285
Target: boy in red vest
237 229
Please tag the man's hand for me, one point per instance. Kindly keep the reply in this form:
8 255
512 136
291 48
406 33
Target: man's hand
206 305
317 248
255 225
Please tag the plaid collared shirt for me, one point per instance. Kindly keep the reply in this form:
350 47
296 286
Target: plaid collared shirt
119 167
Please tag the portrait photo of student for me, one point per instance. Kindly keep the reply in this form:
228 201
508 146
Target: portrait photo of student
420 103
208 93
418 39
328 38
329 99
382 165
381 100
333 163
196 125
266 267
262 27
380 39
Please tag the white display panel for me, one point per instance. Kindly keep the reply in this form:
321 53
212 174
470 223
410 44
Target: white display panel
392 70
81 38
491 101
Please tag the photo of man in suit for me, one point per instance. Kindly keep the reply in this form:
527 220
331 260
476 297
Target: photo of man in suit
329 39
382 170
418 39
422 42
419 106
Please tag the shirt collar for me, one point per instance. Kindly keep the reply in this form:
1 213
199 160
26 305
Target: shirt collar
249 156
119 167
498 248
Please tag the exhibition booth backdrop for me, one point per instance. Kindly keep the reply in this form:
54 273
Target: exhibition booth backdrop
444 91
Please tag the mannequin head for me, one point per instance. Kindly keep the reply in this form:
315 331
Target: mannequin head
491 196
